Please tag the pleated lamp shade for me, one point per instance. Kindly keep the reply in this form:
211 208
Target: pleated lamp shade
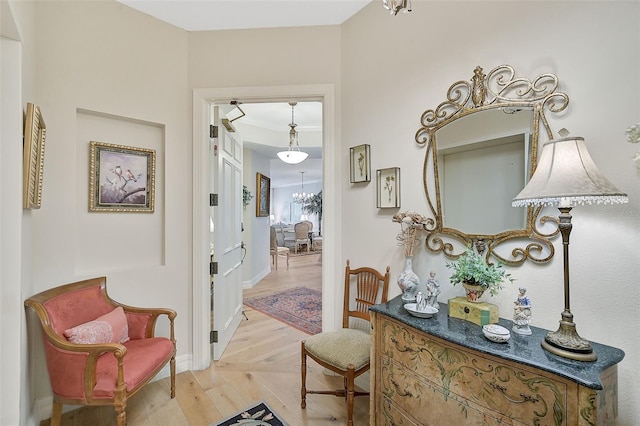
567 176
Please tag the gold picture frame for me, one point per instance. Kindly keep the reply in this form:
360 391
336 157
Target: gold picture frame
121 178
263 190
35 132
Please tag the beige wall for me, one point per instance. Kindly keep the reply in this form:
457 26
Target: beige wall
106 72
104 57
264 57
390 77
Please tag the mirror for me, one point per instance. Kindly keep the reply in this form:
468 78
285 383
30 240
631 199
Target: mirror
482 162
481 148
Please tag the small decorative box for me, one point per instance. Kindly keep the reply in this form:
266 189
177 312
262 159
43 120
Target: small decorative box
480 313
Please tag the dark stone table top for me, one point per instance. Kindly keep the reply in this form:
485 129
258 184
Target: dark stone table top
525 350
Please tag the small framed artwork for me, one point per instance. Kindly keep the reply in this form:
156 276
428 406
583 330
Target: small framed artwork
35 132
121 178
360 161
263 189
388 183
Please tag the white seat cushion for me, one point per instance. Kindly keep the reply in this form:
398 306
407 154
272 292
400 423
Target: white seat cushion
341 347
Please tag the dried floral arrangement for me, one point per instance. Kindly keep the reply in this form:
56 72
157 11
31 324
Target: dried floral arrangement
411 224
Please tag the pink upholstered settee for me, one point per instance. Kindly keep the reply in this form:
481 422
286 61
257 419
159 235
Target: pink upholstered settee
115 351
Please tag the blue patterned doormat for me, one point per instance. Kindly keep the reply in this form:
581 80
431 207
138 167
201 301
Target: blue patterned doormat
258 415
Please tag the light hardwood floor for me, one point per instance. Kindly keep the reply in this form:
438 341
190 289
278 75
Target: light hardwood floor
262 362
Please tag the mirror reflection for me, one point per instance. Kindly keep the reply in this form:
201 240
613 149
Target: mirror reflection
483 160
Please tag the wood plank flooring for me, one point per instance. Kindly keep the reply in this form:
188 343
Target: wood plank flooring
262 362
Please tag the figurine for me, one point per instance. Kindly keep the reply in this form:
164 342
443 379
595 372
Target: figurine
433 290
522 313
421 302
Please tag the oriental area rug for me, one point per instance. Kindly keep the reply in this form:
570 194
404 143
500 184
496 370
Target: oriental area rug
258 415
299 307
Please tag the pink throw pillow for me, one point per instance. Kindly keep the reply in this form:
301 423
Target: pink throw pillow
109 328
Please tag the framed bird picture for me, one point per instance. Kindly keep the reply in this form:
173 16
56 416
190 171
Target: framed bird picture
121 178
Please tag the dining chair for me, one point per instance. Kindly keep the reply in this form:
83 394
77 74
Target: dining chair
302 235
276 250
346 351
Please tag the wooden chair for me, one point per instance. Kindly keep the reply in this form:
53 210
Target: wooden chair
346 351
277 250
302 235
100 373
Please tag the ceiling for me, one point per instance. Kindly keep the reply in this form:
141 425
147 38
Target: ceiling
276 116
206 15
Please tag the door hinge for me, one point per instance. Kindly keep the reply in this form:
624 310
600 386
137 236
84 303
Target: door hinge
213 268
213 131
213 200
213 336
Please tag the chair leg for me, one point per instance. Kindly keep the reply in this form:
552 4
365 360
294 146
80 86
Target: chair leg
303 367
350 393
276 260
56 413
172 365
121 413
287 261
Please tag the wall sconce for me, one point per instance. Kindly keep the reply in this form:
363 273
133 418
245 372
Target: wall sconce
567 176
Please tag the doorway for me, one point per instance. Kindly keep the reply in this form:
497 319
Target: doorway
203 99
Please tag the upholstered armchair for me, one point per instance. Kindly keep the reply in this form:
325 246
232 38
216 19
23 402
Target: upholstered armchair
99 351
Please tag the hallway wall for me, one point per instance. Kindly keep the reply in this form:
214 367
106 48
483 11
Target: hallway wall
391 77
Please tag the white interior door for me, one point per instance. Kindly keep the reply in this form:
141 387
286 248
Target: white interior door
226 284
331 269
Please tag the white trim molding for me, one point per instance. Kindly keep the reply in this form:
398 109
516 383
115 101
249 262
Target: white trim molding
202 99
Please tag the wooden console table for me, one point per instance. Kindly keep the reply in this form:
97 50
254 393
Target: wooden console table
443 371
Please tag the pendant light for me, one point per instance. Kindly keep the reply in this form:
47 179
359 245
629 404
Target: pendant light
293 155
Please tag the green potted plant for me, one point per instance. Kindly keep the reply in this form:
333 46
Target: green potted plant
247 196
476 275
314 206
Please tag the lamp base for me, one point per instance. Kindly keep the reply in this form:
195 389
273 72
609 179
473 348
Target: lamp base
566 342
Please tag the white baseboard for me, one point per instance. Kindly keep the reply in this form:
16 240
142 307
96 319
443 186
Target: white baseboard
44 406
255 280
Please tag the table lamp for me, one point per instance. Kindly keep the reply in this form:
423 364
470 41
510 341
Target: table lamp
567 176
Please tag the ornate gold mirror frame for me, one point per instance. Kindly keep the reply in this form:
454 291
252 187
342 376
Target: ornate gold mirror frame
498 89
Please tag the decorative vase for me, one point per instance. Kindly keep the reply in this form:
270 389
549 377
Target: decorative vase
474 292
408 280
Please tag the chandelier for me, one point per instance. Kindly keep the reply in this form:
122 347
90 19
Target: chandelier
301 197
293 155
395 6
